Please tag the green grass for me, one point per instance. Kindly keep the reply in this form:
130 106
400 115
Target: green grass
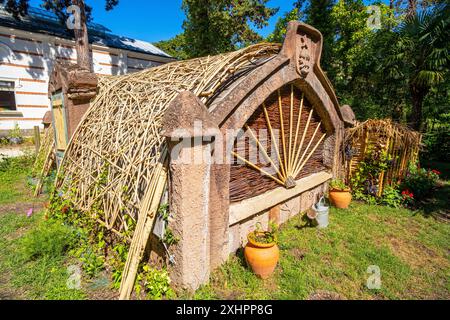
13 172
33 260
410 250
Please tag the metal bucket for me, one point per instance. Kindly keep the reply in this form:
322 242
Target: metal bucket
322 213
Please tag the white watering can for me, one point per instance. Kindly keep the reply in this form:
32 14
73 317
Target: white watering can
322 213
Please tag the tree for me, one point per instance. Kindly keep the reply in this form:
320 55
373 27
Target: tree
217 26
421 55
319 15
314 12
19 8
176 47
279 32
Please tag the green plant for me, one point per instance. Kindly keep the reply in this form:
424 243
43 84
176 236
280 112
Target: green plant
264 237
392 197
15 132
365 181
18 164
48 239
91 249
93 262
120 253
4 141
156 283
169 237
437 143
338 185
420 182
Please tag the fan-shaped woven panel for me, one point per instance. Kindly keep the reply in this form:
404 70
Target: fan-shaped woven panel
300 155
111 159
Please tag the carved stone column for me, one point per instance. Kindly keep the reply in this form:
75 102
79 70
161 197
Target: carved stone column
189 129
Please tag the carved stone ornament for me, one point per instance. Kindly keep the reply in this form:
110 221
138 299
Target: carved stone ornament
305 61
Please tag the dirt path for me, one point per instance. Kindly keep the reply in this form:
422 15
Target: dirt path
21 207
14 152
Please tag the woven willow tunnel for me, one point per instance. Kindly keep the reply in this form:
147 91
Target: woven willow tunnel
121 157
398 141
116 149
113 165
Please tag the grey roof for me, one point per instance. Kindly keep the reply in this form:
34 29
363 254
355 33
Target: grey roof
45 22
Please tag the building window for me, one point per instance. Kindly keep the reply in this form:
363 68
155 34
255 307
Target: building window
7 96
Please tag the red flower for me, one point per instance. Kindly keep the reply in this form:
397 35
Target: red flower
436 172
407 194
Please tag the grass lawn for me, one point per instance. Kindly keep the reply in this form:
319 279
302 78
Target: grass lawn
24 274
410 248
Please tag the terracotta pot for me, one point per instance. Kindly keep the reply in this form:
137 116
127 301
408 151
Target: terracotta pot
262 257
340 198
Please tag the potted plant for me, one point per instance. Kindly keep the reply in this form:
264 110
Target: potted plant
340 195
262 252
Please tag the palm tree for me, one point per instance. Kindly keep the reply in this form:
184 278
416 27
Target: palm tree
420 55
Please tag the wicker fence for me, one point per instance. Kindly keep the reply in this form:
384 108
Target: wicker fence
399 142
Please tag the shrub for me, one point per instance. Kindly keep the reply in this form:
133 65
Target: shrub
419 182
18 164
437 144
15 135
365 181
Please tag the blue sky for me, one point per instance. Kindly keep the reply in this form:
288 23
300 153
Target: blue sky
154 20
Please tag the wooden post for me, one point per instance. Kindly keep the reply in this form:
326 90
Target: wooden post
37 138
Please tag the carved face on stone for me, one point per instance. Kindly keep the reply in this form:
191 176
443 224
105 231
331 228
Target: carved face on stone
305 59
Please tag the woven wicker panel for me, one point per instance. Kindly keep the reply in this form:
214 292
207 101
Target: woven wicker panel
246 182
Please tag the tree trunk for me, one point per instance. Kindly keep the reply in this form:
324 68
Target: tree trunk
82 40
417 95
412 8
397 112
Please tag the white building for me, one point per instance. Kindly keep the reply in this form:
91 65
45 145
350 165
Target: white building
29 48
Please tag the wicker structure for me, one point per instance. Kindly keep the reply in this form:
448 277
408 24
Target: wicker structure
123 155
122 130
398 141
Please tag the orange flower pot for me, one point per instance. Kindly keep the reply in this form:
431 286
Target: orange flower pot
262 257
340 198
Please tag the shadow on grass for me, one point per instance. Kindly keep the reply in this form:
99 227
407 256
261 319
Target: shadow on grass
305 223
438 202
241 258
